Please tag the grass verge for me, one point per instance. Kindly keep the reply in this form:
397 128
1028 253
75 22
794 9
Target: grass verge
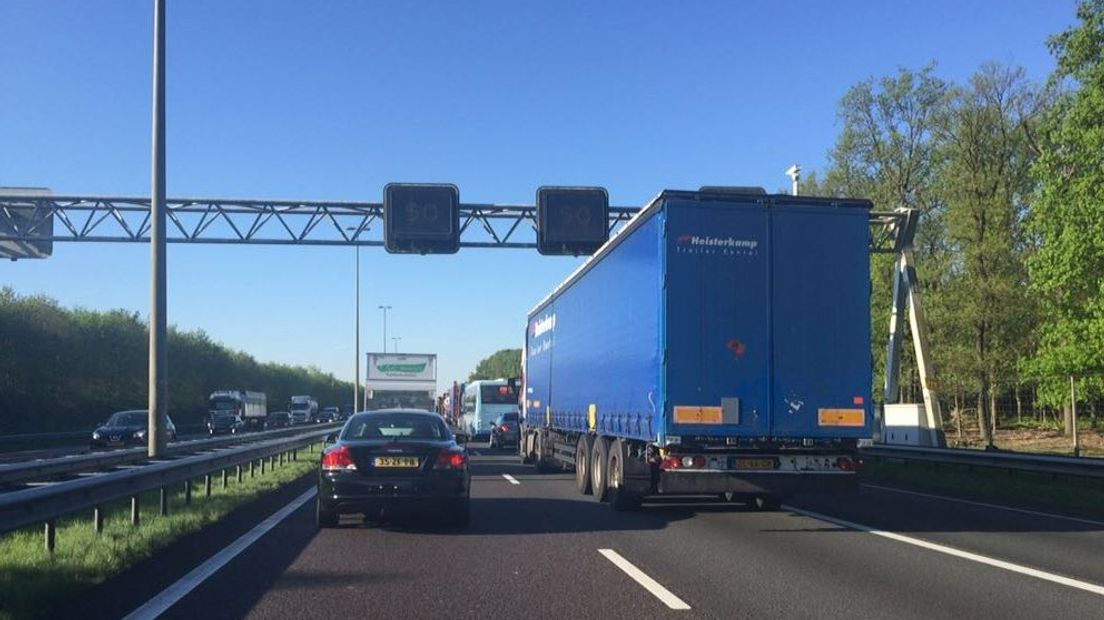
1080 495
31 579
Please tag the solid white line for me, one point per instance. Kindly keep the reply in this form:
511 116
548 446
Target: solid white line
172 594
651 585
511 479
945 498
974 557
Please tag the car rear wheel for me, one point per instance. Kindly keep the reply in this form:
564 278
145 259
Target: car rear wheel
324 518
599 474
768 502
582 464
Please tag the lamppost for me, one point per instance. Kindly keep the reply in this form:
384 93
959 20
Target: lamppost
385 309
356 288
395 343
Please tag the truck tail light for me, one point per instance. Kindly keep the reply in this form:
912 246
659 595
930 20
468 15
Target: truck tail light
846 464
449 459
338 458
671 462
504 428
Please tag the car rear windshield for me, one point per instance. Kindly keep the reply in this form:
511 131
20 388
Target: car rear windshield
395 426
498 395
128 418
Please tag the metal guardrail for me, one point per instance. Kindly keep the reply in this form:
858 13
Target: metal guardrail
46 503
1080 466
16 473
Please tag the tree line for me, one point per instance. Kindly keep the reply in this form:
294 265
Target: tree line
1008 175
66 369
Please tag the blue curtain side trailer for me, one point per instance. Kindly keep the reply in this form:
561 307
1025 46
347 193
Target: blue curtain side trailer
719 344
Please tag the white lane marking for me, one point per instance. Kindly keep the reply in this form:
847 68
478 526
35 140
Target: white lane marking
510 479
1025 511
476 453
651 585
966 555
172 594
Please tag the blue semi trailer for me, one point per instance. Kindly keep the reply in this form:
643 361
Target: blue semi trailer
719 344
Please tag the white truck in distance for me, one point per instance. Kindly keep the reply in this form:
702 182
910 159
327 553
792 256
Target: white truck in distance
304 410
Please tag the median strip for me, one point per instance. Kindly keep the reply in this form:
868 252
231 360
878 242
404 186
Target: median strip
649 584
966 555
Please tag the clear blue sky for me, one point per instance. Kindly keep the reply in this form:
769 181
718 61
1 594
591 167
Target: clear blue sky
332 100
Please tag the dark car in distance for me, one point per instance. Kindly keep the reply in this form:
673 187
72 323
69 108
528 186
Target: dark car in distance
391 461
127 428
505 431
224 422
278 419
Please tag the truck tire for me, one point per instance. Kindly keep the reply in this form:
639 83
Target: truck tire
542 466
768 503
599 473
582 464
621 496
523 450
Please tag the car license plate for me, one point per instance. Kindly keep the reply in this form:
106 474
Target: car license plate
754 463
396 461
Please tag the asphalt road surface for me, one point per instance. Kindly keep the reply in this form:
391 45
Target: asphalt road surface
537 549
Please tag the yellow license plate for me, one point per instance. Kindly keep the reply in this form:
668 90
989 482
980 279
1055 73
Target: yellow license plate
754 463
396 461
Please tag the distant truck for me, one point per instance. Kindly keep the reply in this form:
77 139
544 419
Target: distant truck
718 345
251 407
304 410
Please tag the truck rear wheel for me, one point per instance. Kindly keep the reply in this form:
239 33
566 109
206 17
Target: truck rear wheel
599 472
621 497
582 464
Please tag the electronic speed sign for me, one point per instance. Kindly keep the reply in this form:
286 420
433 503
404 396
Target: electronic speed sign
421 218
572 220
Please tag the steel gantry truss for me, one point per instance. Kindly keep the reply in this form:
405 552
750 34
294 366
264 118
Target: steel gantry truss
291 222
284 222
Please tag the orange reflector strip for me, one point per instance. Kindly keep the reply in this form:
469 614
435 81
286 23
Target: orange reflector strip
841 417
698 415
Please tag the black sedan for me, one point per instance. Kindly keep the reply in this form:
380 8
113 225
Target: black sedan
394 460
127 428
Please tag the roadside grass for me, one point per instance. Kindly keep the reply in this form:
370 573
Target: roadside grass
1080 495
32 582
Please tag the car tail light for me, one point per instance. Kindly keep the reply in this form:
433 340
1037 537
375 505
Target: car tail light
449 459
845 464
504 428
337 459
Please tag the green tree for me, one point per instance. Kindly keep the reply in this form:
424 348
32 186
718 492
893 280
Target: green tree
984 311
1067 217
501 364
888 151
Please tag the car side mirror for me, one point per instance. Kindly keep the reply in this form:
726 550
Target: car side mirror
331 438
461 438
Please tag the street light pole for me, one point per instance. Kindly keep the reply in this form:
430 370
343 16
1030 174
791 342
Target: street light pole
158 325
356 377
395 342
385 309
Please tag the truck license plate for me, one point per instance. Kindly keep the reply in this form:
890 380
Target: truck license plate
396 461
754 463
